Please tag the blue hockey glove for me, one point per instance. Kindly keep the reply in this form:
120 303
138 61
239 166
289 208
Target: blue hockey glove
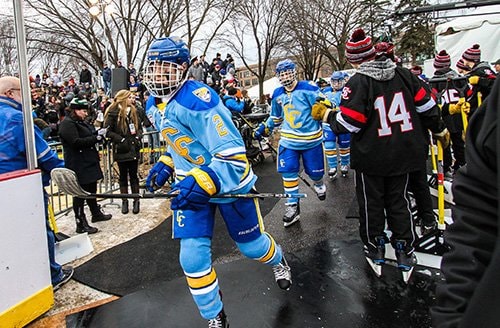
159 173
196 189
261 131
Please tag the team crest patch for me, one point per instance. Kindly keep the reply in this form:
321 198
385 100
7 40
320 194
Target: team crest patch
203 93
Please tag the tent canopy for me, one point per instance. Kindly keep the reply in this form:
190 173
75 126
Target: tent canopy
461 33
269 86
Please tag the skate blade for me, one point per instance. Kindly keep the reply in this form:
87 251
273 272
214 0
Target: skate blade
407 275
377 268
287 224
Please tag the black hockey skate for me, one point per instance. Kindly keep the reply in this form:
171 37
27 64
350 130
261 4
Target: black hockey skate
344 170
332 173
406 259
220 321
292 214
376 256
283 274
320 191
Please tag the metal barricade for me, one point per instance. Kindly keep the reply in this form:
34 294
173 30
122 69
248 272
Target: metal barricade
153 146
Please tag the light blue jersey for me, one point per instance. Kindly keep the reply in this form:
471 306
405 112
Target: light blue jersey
199 131
292 111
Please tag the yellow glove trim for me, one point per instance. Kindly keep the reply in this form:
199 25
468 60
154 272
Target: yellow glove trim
204 180
167 160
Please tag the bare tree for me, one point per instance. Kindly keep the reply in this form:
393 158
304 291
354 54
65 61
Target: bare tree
258 28
8 51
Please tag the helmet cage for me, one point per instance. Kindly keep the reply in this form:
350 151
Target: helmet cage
287 77
162 78
337 84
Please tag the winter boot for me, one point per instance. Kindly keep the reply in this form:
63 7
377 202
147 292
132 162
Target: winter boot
292 214
98 215
220 321
283 274
135 190
136 206
375 256
320 190
83 226
124 206
406 258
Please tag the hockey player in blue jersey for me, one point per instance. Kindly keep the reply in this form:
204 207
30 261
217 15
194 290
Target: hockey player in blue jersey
300 136
206 154
337 82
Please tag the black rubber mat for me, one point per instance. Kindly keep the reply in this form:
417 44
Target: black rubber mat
333 286
153 257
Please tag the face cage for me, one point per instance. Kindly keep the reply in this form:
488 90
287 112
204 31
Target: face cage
287 78
337 84
162 78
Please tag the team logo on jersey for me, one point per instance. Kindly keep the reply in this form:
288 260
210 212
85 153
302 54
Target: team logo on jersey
345 93
203 93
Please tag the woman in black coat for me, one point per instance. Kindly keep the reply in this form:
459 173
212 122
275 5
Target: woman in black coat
124 122
79 140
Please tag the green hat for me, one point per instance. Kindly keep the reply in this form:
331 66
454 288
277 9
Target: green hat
79 103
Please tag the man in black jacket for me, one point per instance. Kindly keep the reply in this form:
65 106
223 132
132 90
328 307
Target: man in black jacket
470 295
386 108
85 75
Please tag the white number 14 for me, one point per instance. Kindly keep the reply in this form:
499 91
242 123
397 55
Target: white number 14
397 113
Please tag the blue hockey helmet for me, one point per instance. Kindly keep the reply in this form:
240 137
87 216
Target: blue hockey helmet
338 80
286 73
168 59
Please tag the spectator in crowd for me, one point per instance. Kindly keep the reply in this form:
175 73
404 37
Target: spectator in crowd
195 71
13 158
125 124
205 66
85 75
233 103
56 76
496 66
133 84
106 78
131 69
79 139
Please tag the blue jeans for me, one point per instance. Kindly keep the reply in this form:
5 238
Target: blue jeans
56 273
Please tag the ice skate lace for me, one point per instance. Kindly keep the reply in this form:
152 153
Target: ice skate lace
321 189
281 272
344 168
215 323
290 211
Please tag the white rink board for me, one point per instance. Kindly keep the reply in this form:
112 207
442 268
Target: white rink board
24 260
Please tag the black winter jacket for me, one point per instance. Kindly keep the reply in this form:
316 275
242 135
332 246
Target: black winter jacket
80 153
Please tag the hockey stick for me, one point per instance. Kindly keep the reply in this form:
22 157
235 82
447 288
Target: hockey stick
67 181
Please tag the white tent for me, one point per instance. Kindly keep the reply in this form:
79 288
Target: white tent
461 33
269 86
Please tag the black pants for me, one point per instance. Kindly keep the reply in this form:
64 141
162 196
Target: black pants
128 170
79 203
458 147
420 189
381 198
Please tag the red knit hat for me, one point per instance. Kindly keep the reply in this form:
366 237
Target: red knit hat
442 60
416 70
472 54
359 48
461 65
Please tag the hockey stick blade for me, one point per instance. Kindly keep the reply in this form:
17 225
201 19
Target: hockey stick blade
67 182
